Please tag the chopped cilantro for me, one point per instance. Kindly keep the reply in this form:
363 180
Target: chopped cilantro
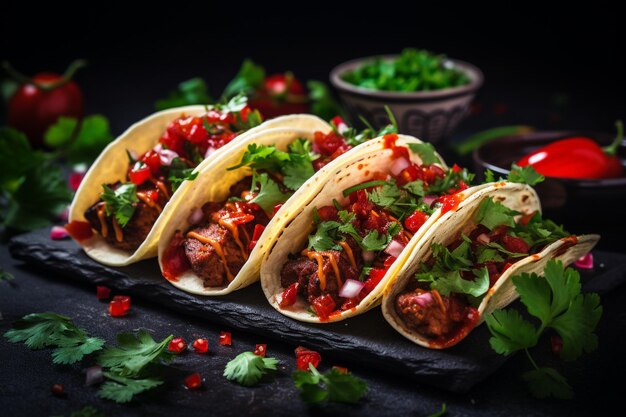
269 193
134 353
120 202
122 389
179 172
40 330
492 213
248 369
451 181
333 386
525 175
426 152
557 302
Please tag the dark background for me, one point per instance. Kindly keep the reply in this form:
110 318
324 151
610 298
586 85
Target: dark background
566 66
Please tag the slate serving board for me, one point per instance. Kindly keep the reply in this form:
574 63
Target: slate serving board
366 340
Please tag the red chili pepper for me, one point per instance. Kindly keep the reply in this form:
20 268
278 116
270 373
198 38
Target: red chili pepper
577 157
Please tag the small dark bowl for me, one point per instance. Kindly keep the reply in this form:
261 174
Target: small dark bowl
428 115
583 206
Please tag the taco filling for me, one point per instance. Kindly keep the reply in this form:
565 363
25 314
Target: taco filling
126 211
225 233
441 302
354 243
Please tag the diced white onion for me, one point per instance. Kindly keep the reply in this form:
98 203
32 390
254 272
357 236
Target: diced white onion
483 238
196 216
398 165
167 156
424 299
394 248
351 288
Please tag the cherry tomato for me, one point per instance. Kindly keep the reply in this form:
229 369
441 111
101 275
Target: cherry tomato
38 103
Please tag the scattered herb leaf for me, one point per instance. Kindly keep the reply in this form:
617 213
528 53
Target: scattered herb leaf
248 369
333 386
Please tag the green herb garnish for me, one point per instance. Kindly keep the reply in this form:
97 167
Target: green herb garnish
556 301
80 141
179 172
333 386
248 369
413 70
193 91
120 202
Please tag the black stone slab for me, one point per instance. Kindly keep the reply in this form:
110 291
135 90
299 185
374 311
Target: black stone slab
367 339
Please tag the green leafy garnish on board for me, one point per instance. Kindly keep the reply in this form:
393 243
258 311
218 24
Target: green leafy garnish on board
247 369
32 191
6 275
192 91
413 70
122 389
80 141
556 302
41 330
87 411
120 202
333 386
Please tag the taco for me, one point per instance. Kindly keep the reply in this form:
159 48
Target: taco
460 270
214 242
129 192
332 261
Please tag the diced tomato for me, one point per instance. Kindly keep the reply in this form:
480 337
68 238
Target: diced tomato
258 231
225 339
327 213
456 168
305 356
323 306
153 160
557 344
409 174
449 202
79 230
432 172
462 186
340 151
374 278
349 304
260 350
102 292
140 173
174 260
289 296
415 221
526 218
177 345
201 345
340 369
400 152
276 208
506 266
119 306
338 121
197 133
152 195
329 143
389 261
124 299
515 244
193 381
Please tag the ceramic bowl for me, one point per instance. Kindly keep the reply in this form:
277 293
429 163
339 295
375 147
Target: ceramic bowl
428 115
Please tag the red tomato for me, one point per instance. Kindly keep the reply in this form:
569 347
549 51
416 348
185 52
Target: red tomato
281 94
193 381
175 260
139 173
305 356
102 292
153 160
289 296
515 244
323 306
79 230
225 339
415 221
177 345
327 213
38 104
201 345
260 350
375 276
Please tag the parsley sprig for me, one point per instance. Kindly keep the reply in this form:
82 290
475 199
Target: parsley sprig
41 330
556 301
333 386
120 202
247 369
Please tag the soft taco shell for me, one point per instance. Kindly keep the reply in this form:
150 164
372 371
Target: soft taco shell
518 197
356 168
112 165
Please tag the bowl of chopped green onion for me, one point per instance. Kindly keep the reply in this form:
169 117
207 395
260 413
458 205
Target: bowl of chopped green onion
429 94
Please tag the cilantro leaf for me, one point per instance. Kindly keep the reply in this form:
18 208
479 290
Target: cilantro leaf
510 332
487 254
269 193
249 78
489 176
120 202
453 282
134 353
122 389
192 91
539 232
80 140
385 196
451 181
322 240
49 329
577 324
17 158
375 241
247 368
525 175
6 275
87 411
266 157
426 152
334 386
548 382
415 188
492 213
179 172
297 171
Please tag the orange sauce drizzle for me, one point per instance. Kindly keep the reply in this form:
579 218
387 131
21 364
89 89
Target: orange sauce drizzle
234 230
149 202
348 250
119 235
104 229
218 250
